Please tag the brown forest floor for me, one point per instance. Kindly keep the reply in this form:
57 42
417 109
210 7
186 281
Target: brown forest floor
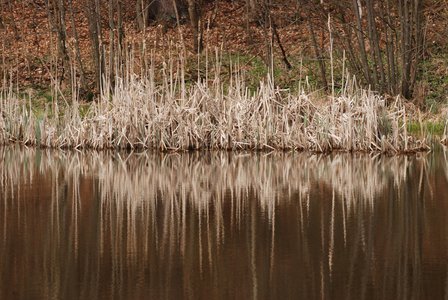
29 47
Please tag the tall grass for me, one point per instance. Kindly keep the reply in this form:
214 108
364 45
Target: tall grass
168 114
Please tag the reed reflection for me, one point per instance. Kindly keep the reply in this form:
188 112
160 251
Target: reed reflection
221 225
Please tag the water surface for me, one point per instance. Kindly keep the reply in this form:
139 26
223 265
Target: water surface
89 225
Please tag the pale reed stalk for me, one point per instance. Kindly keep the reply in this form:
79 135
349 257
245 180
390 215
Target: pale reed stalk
138 113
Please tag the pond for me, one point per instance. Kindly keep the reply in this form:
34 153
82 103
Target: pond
222 225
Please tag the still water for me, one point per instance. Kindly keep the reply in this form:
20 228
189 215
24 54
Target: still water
89 225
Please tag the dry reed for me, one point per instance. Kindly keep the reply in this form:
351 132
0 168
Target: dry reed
139 113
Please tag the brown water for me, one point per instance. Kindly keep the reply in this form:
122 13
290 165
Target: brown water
222 226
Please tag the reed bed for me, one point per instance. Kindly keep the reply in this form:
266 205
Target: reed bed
140 112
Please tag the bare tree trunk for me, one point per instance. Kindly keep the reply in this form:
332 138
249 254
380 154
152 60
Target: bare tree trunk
56 17
112 30
142 10
280 45
349 47
92 12
120 29
268 36
419 42
375 47
194 12
77 48
405 37
249 12
371 40
317 53
139 14
360 38
120 37
388 38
